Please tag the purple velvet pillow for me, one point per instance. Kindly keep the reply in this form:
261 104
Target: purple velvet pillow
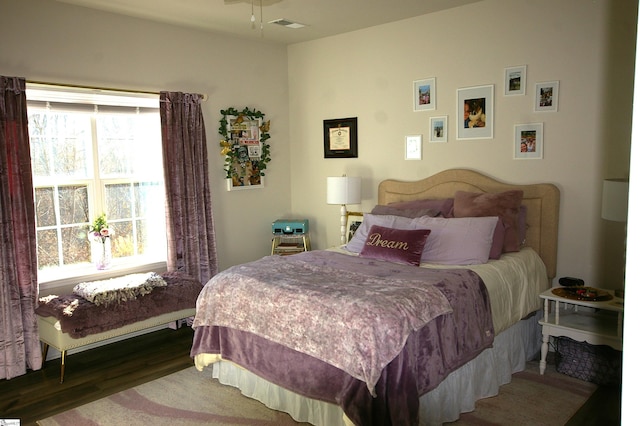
505 205
442 205
395 245
498 240
411 213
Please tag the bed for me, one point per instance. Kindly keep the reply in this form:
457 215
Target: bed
444 355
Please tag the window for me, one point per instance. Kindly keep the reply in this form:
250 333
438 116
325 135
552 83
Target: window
94 152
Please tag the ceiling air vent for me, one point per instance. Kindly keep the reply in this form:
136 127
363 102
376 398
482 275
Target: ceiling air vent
287 23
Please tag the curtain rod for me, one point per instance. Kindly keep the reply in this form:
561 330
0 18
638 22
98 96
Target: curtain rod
77 86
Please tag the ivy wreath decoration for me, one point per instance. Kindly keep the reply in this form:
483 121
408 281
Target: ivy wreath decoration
237 163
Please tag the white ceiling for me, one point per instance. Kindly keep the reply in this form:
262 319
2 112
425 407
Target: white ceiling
322 17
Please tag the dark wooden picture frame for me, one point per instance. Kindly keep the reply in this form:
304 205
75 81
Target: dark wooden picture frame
341 138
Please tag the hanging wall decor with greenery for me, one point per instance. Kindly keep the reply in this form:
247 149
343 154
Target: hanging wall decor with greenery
244 146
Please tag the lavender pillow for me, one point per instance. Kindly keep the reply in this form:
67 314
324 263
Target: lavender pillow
505 205
395 245
443 205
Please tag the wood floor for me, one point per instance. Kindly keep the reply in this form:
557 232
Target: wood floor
100 372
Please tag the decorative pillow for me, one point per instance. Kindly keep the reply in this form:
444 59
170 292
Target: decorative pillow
442 205
356 243
395 245
411 213
454 241
498 240
505 205
522 225
458 241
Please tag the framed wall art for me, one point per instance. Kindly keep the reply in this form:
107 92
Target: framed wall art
424 94
245 148
413 147
515 80
475 112
341 138
438 129
528 141
547 95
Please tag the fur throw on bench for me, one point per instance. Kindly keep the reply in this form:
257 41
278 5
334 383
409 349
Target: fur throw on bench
79 318
120 289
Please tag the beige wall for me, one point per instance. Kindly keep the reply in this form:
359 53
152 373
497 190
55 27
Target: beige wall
56 42
587 46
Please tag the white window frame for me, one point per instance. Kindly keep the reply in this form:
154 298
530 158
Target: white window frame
51 280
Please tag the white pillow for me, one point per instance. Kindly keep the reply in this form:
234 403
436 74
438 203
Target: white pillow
453 241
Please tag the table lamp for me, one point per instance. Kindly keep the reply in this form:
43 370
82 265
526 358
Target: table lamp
615 204
343 190
615 199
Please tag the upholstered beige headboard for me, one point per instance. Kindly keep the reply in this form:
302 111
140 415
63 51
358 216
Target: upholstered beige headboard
542 201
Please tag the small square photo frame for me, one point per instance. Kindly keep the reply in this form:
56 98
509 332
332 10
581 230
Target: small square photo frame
438 129
547 95
413 147
515 80
424 94
475 112
528 141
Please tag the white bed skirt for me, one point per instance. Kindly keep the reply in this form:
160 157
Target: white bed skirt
477 379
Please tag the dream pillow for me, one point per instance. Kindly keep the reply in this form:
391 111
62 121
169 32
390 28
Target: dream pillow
395 245
505 205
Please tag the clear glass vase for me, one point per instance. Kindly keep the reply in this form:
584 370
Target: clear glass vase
101 253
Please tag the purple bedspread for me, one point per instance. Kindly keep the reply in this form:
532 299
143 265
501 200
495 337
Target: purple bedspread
429 355
79 318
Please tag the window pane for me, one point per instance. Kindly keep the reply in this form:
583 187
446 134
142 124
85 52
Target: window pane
149 199
45 209
116 142
47 248
60 144
75 245
122 243
74 204
119 203
40 158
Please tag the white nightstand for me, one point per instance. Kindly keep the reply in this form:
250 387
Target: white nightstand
597 323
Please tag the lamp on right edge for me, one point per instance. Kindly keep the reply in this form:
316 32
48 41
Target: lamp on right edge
615 199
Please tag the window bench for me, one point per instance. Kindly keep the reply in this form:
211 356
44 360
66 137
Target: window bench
70 321
52 335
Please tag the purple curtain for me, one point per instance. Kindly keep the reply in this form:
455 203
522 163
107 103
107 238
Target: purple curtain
19 344
190 232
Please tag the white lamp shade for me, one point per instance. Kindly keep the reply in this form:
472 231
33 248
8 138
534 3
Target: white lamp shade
615 199
343 190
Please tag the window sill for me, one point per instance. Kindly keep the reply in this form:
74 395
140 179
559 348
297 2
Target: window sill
63 281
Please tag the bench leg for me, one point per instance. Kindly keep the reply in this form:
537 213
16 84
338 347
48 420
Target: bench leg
45 351
63 354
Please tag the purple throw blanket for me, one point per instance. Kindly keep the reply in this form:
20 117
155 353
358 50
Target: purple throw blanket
79 318
429 355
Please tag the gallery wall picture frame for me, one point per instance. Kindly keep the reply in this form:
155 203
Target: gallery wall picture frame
528 141
438 129
547 96
424 94
475 112
341 138
515 80
413 147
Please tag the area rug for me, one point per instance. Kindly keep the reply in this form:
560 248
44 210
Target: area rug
189 397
